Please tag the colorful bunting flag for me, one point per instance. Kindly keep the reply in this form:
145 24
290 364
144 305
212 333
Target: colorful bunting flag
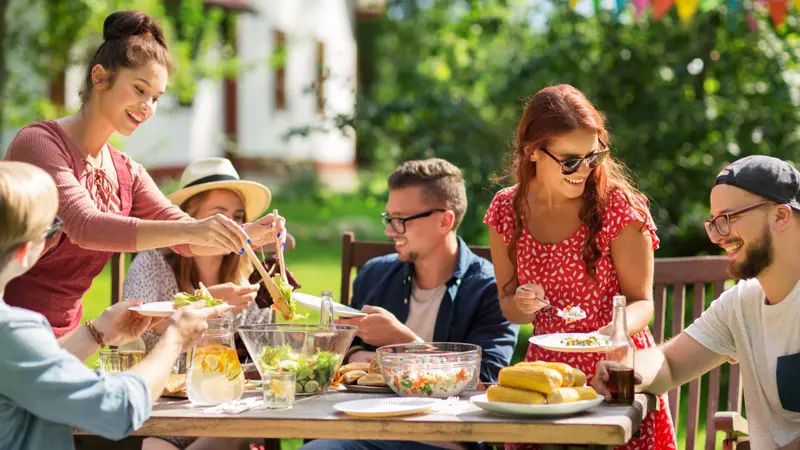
686 8
621 6
639 6
660 7
777 11
733 13
751 21
797 5
572 4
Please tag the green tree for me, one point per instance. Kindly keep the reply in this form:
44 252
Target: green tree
39 39
450 80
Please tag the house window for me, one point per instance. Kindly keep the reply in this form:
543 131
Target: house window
321 75
279 64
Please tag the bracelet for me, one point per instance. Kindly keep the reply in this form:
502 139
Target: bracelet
98 336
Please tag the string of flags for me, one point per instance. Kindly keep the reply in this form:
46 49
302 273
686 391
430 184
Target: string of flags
778 9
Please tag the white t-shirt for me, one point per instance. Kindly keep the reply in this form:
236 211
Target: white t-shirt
742 326
424 309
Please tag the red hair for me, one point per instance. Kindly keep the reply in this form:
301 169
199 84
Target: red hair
552 112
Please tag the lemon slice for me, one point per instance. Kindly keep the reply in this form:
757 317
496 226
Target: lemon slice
276 387
210 363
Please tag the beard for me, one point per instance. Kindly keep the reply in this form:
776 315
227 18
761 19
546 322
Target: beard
757 257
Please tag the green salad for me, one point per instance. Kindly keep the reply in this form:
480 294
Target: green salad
286 292
182 299
311 374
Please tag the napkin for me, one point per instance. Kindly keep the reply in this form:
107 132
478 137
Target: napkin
236 406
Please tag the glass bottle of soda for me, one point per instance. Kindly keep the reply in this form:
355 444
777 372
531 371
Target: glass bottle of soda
620 380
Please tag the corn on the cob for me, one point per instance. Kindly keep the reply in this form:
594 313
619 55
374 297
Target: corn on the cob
542 379
586 392
499 393
563 395
566 371
580 378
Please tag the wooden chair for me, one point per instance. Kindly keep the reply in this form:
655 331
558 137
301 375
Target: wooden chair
699 273
677 273
356 254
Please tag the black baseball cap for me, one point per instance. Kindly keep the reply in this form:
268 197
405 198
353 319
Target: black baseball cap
766 176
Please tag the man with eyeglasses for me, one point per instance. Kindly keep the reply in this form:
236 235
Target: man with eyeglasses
755 204
434 289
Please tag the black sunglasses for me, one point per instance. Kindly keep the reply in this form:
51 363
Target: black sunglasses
53 229
399 223
572 164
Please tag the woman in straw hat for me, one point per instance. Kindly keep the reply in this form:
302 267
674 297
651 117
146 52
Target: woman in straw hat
108 202
208 186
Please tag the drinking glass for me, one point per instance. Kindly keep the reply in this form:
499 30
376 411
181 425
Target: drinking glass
109 361
113 360
279 389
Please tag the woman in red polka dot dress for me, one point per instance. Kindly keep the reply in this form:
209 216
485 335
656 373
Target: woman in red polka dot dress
574 231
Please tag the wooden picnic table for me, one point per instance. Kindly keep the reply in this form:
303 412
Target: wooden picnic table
314 417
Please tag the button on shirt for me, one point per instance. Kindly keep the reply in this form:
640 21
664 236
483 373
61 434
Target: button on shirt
45 391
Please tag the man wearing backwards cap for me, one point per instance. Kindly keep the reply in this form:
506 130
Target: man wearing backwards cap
755 205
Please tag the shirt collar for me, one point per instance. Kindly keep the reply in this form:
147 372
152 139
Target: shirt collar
464 257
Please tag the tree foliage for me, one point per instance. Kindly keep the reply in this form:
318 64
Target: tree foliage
682 99
41 38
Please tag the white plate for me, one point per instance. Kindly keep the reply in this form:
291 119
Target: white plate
553 342
315 303
386 407
155 309
515 409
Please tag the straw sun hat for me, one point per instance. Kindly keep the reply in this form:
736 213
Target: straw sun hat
218 173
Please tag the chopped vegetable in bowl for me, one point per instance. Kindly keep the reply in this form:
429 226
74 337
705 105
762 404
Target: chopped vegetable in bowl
312 374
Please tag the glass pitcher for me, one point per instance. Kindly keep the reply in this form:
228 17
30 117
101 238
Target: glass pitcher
214 374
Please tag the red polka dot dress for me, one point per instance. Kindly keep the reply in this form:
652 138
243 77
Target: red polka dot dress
560 270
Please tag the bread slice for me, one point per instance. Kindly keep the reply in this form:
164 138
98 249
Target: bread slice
176 384
354 366
371 379
353 376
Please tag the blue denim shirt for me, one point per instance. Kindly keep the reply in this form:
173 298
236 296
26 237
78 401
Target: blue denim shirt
470 311
45 391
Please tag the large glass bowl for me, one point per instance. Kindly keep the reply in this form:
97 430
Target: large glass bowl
313 353
431 369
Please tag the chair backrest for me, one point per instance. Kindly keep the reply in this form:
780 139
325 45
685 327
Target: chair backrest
117 276
703 275
355 254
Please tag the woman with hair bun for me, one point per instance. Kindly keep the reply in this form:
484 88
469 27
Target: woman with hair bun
107 202
574 231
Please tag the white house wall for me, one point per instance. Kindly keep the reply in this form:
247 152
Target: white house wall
305 22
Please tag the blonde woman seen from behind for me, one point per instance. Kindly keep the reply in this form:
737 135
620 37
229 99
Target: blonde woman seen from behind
45 389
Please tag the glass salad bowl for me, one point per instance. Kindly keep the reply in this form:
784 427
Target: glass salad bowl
313 353
430 369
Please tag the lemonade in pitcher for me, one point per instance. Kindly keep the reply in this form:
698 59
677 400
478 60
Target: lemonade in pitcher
214 374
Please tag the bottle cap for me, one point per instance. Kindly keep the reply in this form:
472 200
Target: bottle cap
619 300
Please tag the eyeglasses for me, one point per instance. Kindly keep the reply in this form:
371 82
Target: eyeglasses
722 223
399 223
53 229
573 163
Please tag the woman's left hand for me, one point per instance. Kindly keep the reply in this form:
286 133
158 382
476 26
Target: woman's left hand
266 230
119 325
